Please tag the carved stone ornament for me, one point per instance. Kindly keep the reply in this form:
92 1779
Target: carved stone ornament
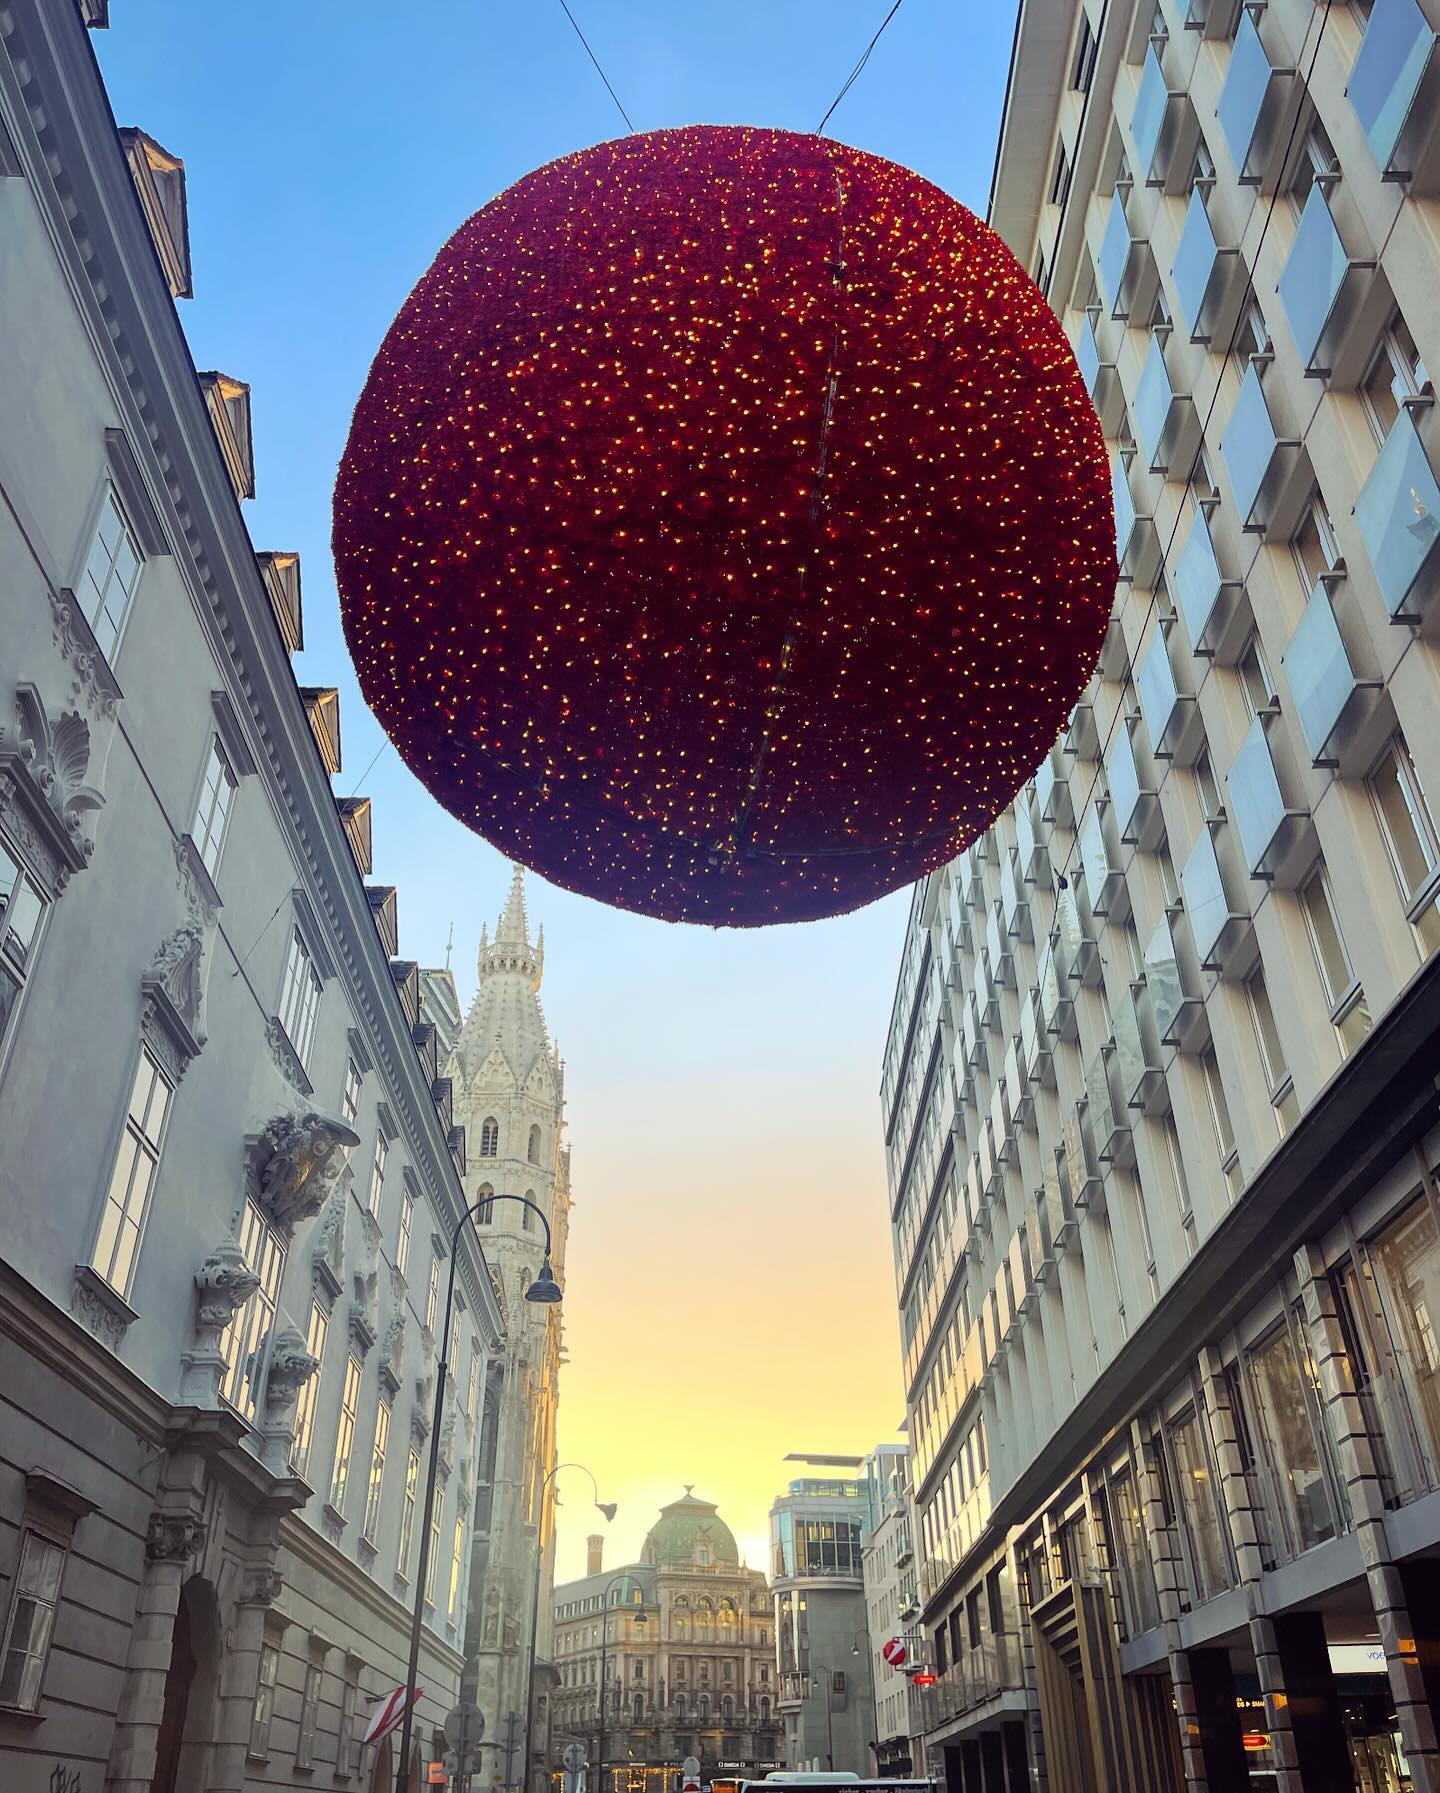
174 1537
295 1162
364 1320
283 1053
96 1305
92 684
173 995
328 1261
262 1587
292 1365
224 1282
45 799
202 900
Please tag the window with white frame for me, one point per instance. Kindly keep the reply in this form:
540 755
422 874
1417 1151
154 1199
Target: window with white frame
1212 806
1396 373
432 1566
127 1200
309 1717
112 572
377 1169
457 1568
432 1296
245 1340
315 1336
376 1484
350 1099
1316 159
264 1707
349 1739
453 1357
1251 336
1256 686
22 910
1082 69
472 1387
1313 547
1220 1120
407 1510
1410 837
30 1622
345 1436
1272 1058
407 1226
485 1204
299 997
212 807
1343 995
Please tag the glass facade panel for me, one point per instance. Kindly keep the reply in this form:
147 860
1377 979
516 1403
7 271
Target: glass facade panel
1114 254
1153 400
1248 445
1408 1257
1321 677
1242 99
1087 355
1094 853
1398 511
1208 1558
1313 276
1124 508
1302 1491
1205 901
1386 76
1149 114
1198 580
1137 1574
1155 683
1162 979
1124 778
1195 264
1256 801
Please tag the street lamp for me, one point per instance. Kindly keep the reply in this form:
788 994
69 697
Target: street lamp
855 1650
620 1575
545 1291
608 1508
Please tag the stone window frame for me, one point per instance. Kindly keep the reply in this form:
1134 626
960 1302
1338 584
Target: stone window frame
51 1511
20 972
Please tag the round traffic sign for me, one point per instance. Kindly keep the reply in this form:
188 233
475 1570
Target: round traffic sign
894 1652
691 1766
464 1726
574 1757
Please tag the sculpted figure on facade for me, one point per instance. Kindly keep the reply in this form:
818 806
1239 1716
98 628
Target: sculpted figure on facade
296 1160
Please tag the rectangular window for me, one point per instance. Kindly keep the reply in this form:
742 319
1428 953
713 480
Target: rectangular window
264 1708
377 1170
1220 1119
350 1099
1272 1058
407 1223
22 908
347 1741
457 1566
1288 1435
407 1509
432 1566
377 1469
472 1387
1060 180
1212 806
112 572
1255 682
31 1622
1343 995
345 1437
1313 547
454 1353
432 1296
309 1714
1408 1259
244 1341
212 810
1397 373
315 1337
1209 1563
128 1197
299 998
1410 837
1082 70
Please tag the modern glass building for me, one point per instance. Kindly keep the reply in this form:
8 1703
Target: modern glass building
1159 1093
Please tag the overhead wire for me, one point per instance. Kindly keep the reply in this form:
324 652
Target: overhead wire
855 72
564 7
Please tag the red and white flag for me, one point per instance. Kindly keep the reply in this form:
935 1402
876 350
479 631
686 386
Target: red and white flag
388 1715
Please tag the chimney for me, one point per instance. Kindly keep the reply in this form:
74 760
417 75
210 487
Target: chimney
594 1552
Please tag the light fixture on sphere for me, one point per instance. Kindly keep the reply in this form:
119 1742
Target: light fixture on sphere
724 530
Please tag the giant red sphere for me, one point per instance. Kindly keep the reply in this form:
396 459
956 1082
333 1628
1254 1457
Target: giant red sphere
724 529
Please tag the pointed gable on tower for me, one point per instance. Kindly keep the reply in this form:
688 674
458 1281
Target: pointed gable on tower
504 1037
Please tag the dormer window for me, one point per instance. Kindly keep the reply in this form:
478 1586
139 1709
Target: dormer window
159 181
228 402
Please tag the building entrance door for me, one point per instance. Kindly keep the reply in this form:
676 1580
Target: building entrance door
178 1682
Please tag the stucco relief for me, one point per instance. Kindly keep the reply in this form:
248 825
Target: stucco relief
295 1162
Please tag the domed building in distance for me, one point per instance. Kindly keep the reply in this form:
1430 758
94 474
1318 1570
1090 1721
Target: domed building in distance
683 1643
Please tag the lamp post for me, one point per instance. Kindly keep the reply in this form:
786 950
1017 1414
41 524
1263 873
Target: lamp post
868 1651
829 1722
606 1507
620 1575
544 1291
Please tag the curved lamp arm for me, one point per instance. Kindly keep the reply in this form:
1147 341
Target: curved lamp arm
544 1290
608 1507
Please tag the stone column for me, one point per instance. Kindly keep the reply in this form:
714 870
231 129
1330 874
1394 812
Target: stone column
1315 1720
1169 1567
172 1542
1246 1524
1346 1420
239 1676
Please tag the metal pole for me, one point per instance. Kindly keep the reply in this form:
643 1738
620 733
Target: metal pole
604 1652
417 1617
535 1599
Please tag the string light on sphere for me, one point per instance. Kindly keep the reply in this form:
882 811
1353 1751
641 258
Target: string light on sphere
724 530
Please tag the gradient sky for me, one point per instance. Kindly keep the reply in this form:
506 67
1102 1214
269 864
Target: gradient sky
729 1293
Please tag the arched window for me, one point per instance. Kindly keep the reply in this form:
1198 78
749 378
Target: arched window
727 1710
532 1151
639 1708
489 1137
727 1622
523 1279
704 1623
702 1708
527 1215
764 1711
679 1705
485 1195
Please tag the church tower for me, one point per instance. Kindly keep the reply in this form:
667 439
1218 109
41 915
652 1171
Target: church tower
509 1091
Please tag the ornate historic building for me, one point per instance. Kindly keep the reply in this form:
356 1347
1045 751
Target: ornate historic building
688 1656
509 1093
229 1169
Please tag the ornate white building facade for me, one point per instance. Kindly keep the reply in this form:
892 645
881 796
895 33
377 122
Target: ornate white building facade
509 1093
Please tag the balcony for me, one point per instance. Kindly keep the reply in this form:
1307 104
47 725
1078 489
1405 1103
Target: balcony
1329 700
1074 948
1014 905
1255 457
1270 831
1207 285
1137 547
1167 427
1216 925
1205 596
1212 18
1017 1084
1098 374
1100 859
1032 863
1034 1043
997 944
1082 1169
1177 1014
1001 1132
1322 288
1254 107
987 1007
1139 1079
1132 793
1109 1122
1125 267
1082 737
1392 88
1022 1281
1052 793
1053 1196
1398 512
983 1676
1041 1247
1173 719
1057 1005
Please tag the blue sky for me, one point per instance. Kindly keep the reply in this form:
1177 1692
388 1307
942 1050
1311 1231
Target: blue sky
730 1294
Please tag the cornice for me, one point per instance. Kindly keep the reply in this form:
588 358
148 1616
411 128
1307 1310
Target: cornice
79 176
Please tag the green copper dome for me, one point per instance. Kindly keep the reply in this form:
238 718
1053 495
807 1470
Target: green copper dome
690 1531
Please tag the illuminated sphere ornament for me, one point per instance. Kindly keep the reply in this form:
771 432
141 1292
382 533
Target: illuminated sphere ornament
724 529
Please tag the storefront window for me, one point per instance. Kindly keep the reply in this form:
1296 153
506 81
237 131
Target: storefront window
1408 1260
1200 1509
1303 1496
1137 1575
